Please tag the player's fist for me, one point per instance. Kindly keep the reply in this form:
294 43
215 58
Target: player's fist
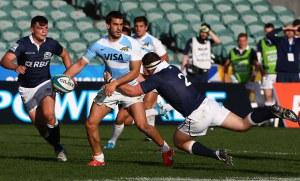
21 69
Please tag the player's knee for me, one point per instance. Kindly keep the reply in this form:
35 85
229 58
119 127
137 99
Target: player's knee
142 126
90 125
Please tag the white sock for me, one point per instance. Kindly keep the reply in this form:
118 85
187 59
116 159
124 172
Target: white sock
99 158
118 129
165 147
250 120
190 146
269 103
151 120
53 126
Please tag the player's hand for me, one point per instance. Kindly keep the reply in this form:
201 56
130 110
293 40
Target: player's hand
21 69
107 77
110 88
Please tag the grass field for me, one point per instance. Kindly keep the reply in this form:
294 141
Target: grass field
267 153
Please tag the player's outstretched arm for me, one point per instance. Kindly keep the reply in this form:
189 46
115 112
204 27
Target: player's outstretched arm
7 62
76 67
133 74
65 56
130 90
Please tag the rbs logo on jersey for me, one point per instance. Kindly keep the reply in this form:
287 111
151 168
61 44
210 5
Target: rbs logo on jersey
37 64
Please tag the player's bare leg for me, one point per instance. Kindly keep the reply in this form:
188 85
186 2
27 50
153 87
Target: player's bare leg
186 143
123 117
137 112
97 113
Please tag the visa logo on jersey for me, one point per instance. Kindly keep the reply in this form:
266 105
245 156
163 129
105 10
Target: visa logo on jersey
114 57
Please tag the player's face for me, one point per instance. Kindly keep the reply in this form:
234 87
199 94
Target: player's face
243 42
39 32
140 29
115 28
268 30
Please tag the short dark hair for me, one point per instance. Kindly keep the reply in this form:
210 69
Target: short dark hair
149 58
241 35
42 20
296 22
141 19
269 25
113 14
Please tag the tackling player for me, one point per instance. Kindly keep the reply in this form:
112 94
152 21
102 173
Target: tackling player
200 112
33 54
122 56
149 44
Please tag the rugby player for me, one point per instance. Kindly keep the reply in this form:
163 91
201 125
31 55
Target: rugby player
200 112
33 54
122 56
149 44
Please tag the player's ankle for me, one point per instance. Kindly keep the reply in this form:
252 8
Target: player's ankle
165 147
99 157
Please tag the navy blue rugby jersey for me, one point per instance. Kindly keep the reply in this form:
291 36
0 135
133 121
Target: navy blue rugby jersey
36 59
175 88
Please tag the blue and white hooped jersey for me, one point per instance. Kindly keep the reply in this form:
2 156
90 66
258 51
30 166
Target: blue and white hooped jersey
116 55
151 44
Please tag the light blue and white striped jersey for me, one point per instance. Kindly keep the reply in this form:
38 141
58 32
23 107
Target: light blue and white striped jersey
151 44
117 55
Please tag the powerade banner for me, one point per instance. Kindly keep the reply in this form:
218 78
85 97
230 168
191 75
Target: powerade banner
93 73
288 96
90 73
74 107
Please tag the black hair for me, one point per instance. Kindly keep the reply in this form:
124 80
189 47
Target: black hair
296 22
42 20
141 19
241 35
269 25
149 58
113 14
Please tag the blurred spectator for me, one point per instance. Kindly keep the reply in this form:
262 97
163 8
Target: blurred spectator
243 61
197 55
267 56
126 30
288 50
296 23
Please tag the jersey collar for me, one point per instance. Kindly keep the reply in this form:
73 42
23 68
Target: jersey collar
33 42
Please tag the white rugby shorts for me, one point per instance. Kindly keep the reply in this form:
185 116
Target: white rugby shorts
115 99
209 113
32 97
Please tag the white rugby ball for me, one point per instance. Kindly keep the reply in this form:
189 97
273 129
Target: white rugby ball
63 83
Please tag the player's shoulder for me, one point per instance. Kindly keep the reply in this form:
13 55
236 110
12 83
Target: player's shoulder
129 41
51 41
23 40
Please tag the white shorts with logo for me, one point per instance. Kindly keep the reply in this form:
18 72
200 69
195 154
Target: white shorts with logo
32 97
209 113
115 99
268 80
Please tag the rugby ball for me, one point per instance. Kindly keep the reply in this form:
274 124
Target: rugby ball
63 83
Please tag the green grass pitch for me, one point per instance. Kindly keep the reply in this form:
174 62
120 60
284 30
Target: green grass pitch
261 153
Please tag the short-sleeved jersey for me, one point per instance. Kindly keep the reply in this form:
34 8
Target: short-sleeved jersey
151 44
116 55
36 59
175 88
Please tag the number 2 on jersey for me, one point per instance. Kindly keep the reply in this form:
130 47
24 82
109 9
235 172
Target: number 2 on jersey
187 83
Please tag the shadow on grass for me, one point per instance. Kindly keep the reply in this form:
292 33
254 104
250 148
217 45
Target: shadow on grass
29 158
261 157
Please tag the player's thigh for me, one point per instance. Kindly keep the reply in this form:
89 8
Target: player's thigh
137 111
47 107
235 123
97 113
150 99
180 138
122 115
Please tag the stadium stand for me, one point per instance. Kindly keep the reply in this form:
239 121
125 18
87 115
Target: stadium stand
176 20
